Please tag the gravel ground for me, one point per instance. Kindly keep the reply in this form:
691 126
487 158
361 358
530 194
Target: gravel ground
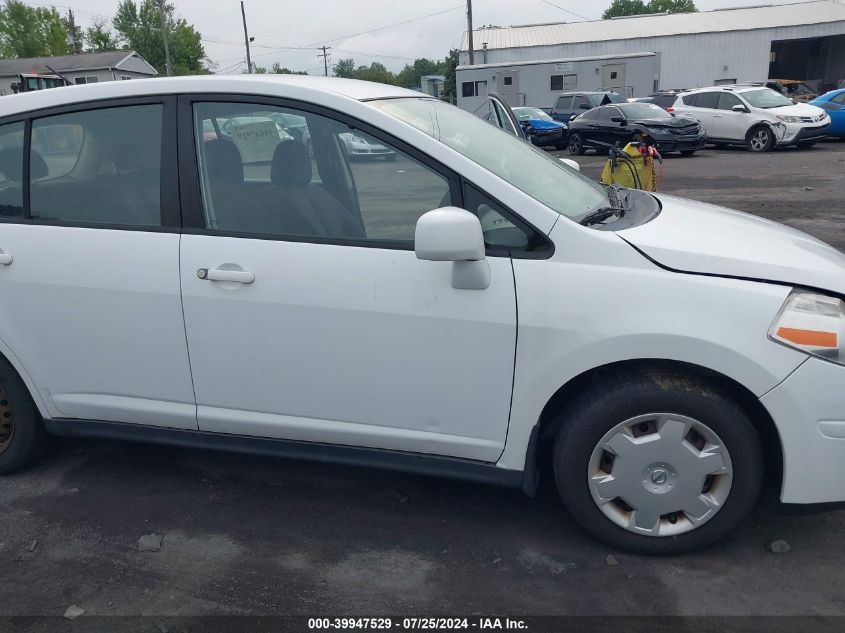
246 535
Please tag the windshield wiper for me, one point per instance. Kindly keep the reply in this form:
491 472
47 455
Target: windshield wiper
602 214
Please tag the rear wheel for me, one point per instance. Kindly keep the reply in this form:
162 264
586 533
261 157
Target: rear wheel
576 144
661 463
22 433
760 139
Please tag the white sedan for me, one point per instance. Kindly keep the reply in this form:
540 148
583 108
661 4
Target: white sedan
164 284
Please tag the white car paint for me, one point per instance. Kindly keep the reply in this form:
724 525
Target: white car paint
110 344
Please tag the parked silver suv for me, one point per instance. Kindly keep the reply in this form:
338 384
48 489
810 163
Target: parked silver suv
756 117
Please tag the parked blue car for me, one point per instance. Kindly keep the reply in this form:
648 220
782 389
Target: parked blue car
541 129
834 103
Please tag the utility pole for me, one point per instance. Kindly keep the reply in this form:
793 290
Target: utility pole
325 56
469 32
163 9
246 40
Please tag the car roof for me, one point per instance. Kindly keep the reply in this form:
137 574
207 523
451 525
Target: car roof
267 85
735 88
568 93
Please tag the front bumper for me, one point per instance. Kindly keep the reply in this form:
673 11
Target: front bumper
808 409
680 144
552 137
794 135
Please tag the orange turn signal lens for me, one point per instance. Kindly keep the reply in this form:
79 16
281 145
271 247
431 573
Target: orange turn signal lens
809 338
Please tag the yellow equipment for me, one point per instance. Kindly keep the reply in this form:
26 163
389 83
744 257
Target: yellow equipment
634 167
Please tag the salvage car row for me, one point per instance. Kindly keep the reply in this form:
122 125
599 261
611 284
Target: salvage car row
749 115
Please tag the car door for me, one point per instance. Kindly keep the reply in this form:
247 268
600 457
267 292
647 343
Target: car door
704 106
731 125
89 232
307 313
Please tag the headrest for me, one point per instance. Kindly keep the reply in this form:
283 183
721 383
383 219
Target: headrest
11 164
223 162
291 165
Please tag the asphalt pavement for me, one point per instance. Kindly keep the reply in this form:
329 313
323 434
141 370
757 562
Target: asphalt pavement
246 535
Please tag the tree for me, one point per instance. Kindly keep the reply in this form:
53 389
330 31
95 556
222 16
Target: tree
276 69
139 27
76 37
100 39
619 8
375 72
31 31
344 68
411 75
450 90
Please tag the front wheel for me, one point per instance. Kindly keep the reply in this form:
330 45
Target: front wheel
657 462
760 139
576 144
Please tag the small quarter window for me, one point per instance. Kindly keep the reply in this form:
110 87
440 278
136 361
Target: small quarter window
11 170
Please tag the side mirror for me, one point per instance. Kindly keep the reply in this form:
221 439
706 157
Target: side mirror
454 235
571 163
573 117
739 108
618 119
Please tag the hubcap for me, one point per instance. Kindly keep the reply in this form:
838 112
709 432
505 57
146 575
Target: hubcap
660 474
7 421
760 140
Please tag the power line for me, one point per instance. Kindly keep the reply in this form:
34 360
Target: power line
557 6
346 50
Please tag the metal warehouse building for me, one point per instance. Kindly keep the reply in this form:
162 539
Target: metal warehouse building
791 41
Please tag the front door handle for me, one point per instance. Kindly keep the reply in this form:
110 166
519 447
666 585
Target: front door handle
219 274
5 259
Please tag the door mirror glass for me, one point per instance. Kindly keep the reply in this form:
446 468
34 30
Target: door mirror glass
449 234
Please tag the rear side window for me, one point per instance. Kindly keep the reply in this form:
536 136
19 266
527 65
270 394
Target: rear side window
99 167
666 101
11 170
564 103
707 100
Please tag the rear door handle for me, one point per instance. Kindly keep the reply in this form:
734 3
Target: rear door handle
219 274
5 259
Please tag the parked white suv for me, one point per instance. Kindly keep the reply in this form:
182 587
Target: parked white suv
162 282
757 117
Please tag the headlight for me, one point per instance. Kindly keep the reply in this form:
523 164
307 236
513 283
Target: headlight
812 323
789 119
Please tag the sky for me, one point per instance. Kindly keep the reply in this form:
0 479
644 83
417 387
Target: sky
290 32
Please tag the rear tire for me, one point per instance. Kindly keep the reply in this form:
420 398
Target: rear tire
576 144
22 433
682 401
760 139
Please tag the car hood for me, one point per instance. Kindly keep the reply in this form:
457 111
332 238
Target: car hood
798 109
543 124
695 237
674 121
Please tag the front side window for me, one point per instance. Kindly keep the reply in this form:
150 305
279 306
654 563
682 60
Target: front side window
98 167
544 178
11 170
840 98
564 103
727 101
288 173
582 103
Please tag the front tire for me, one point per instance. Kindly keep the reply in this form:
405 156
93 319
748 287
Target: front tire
657 463
22 434
576 144
760 139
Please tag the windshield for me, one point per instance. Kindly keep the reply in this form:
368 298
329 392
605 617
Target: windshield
765 98
526 114
798 88
532 171
644 111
